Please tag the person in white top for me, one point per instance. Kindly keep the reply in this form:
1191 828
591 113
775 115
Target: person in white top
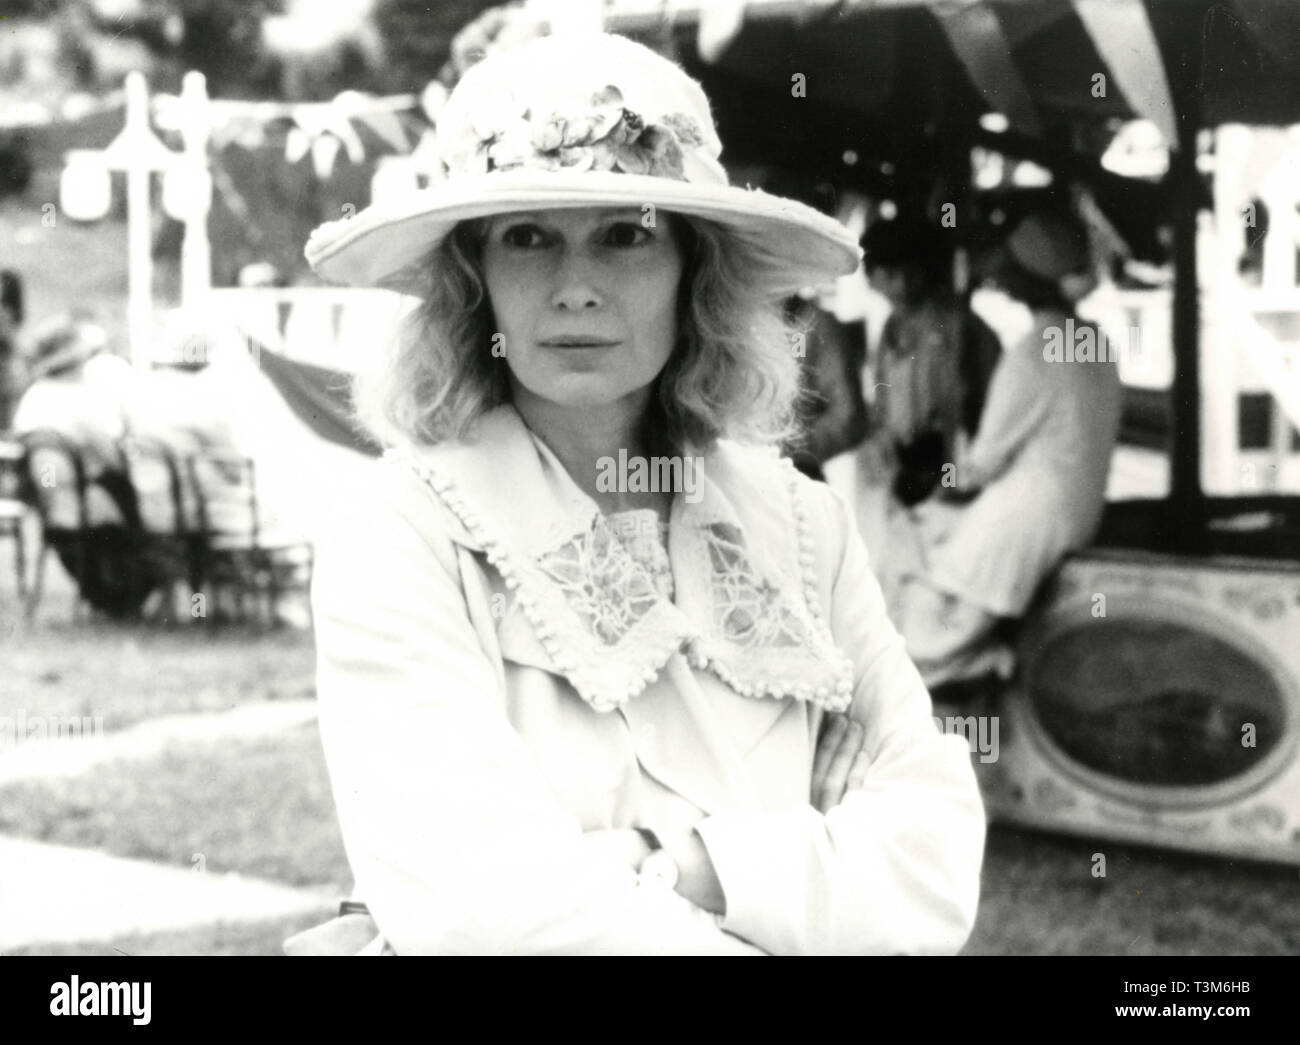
77 391
82 393
199 401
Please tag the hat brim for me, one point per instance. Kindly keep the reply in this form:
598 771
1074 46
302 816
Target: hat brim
382 245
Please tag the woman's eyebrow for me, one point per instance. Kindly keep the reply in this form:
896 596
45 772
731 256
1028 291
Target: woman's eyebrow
502 221
543 220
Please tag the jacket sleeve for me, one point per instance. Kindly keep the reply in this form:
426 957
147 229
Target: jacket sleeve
894 868
454 838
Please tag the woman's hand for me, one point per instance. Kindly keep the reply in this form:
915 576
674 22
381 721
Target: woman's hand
840 764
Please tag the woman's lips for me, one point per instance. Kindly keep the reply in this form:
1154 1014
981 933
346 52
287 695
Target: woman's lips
578 341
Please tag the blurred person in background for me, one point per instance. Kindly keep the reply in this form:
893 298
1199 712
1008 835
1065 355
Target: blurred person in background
832 412
1032 485
929 375
200 400
205 402
81 392
78 390
934 359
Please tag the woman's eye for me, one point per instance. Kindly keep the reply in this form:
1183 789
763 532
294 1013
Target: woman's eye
523 236
626 234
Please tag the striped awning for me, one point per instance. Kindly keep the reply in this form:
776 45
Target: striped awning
1041 63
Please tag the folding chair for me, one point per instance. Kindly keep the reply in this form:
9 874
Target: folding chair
54 465
238 553
14 506
168 539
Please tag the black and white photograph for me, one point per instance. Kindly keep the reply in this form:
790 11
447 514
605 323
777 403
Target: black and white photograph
630 477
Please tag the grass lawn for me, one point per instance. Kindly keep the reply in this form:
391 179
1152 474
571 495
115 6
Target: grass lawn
127 673
257 938
1039 897
260 807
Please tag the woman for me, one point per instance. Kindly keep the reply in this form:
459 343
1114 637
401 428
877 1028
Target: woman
1034 476
577 646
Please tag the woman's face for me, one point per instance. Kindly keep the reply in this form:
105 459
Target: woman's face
890 282
586 301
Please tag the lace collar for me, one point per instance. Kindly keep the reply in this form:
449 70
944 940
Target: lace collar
747 605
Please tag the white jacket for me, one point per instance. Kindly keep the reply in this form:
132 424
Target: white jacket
497 676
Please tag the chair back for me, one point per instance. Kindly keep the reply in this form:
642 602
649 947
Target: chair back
226 495
56 476
166 503
14 483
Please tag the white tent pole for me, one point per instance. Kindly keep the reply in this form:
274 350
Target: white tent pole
139 241
1224 314
196 249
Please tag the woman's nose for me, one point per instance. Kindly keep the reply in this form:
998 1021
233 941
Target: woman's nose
575 287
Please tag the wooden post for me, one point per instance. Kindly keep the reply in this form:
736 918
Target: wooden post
1186 504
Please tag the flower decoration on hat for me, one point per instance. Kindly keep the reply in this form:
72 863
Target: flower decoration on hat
599 133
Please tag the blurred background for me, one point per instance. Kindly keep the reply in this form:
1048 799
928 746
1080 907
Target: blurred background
174 421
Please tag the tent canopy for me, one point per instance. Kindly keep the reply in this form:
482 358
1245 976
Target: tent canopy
929 63
893 91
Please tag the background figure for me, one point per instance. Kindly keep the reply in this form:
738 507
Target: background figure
81 392
187 402
174 405
84 403
832 411
1036 470
13 376
935 356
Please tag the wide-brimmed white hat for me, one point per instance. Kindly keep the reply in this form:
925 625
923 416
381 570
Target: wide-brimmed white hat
575 121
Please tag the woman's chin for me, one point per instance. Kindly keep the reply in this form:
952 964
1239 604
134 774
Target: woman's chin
582 392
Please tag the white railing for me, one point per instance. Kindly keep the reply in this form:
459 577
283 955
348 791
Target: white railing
1250 344
329 326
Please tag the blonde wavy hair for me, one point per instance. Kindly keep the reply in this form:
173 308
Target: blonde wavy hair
732 374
